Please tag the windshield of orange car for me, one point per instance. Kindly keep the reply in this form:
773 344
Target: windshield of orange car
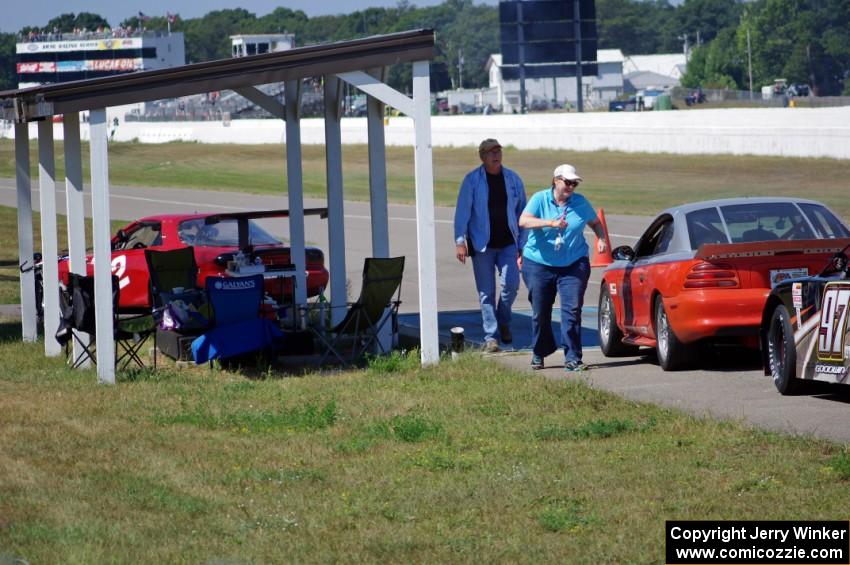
221 234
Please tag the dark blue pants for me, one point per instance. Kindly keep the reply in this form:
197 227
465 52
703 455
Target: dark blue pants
543 283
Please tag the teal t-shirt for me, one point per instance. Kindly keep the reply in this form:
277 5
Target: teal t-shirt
540 246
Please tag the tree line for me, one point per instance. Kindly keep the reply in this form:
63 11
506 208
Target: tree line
800 40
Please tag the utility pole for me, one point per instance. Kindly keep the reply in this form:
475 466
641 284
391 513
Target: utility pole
521 46
577 28
684 38
750 61
460 68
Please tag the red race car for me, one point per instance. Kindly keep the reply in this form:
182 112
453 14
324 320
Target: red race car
216 239
703 271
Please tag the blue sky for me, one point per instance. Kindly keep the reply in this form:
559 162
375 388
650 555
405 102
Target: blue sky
19 13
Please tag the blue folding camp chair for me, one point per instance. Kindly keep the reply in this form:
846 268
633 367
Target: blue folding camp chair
237 327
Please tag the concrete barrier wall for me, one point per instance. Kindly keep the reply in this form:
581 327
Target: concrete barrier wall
788 132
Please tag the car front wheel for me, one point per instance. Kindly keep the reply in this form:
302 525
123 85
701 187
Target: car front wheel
610 336
672 353
781 352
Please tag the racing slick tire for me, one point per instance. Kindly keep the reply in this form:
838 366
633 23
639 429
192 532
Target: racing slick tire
673 355
782 353
610 336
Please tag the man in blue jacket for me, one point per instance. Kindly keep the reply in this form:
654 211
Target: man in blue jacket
489 204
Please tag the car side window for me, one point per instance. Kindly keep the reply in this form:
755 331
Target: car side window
656 239
145 235
827 224
664 239
705 226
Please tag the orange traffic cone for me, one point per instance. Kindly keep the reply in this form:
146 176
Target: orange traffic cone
602 259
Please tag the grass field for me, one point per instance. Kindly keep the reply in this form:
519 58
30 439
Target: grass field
623 183
465 462
9 274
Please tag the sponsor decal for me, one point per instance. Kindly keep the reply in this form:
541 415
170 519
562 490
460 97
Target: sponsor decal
612 289
234 284
779 275
797 294
822 369
832 330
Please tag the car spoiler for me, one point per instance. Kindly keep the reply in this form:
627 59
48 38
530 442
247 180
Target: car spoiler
711 251
215 218
243 217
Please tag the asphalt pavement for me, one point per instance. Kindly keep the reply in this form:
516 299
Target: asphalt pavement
729 384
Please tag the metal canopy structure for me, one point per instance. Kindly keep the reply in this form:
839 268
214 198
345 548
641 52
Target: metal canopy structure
361 63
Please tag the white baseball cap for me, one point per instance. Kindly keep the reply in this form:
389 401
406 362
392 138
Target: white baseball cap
567 172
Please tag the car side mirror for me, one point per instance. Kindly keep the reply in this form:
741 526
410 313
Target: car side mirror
623 253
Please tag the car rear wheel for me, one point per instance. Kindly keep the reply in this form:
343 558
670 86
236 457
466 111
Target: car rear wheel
610 336
781 352
673 355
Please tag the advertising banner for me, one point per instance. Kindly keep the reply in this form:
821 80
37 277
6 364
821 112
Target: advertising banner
81 45
47 67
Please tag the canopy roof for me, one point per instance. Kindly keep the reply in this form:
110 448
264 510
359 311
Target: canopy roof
42 101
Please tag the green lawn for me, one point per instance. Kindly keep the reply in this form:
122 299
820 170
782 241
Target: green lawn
623 183
465 462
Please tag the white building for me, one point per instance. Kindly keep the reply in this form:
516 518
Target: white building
663 71
57 58
598 89
257 44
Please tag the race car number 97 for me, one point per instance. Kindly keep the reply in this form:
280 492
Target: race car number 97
833 322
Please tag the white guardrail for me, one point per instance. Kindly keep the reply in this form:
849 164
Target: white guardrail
787 132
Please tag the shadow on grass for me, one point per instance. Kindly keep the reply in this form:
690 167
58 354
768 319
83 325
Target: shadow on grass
10 331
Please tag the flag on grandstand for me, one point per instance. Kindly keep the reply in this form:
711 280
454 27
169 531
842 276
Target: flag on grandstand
170 17
143 18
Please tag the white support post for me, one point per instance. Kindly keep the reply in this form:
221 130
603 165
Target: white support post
425 233
294 178
378 176
378 189
29 326
102 247
336 206
49 245
76 211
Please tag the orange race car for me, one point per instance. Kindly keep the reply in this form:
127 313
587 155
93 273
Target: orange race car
703 271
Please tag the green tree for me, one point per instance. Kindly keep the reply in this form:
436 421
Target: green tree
635 26
707 18
67 23
719 64
8 73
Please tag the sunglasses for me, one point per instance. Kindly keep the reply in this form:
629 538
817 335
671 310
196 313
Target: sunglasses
572 183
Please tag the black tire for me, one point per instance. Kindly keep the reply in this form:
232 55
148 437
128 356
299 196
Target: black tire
782 353
610 336
673 355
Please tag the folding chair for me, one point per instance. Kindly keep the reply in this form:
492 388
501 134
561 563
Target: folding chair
365 318
237 327
178 305
78 316
169 270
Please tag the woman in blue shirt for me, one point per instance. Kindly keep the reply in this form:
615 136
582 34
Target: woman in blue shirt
555 261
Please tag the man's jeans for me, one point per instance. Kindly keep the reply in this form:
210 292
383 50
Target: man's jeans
485 265
543 283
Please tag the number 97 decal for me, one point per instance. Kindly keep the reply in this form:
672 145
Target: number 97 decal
832 331
119 267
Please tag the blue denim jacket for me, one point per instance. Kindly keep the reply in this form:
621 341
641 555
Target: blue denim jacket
472 218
